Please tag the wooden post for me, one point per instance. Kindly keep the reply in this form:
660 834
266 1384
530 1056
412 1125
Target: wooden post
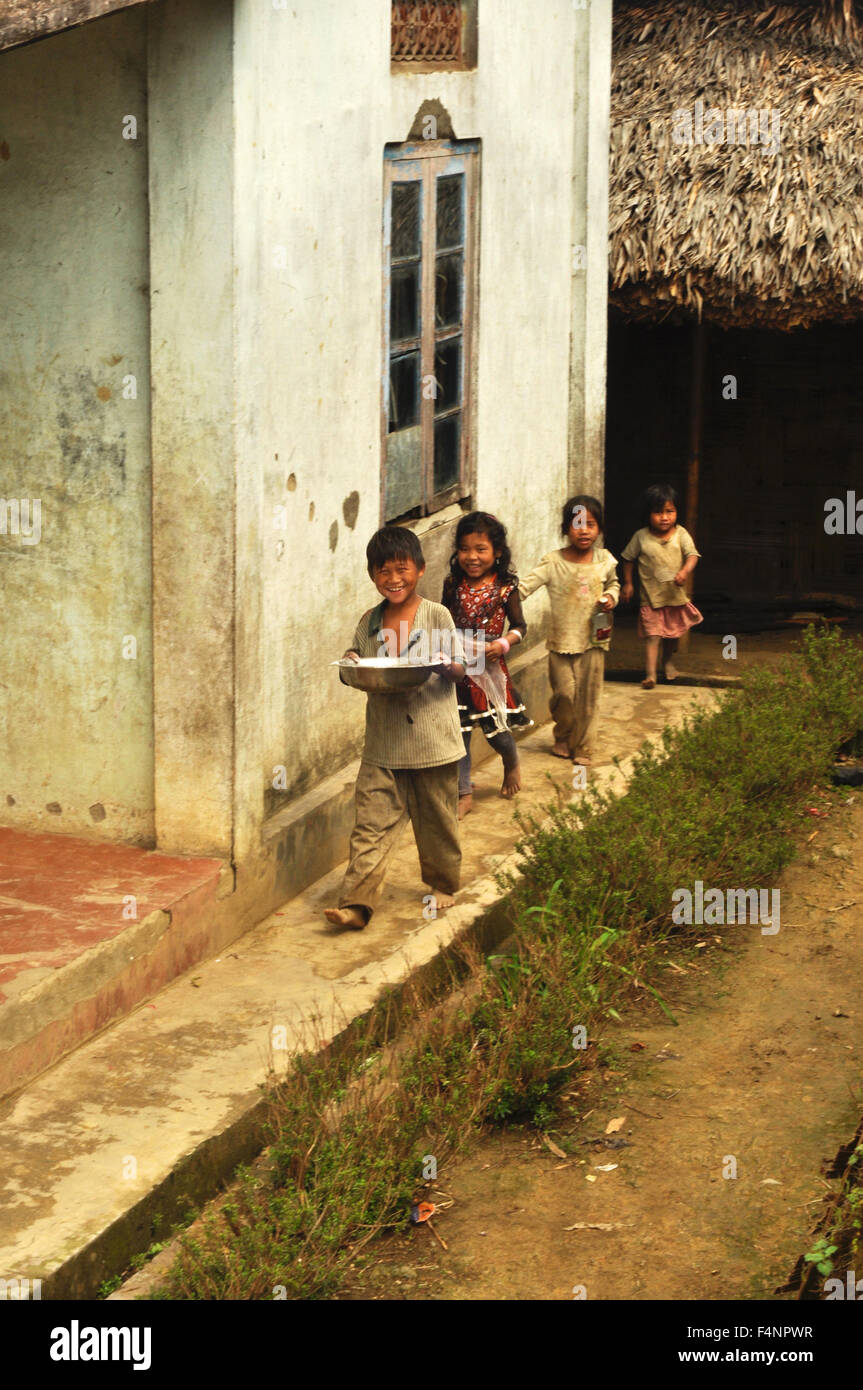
23 21
696 430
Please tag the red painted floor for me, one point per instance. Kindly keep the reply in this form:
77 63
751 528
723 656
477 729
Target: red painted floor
59 896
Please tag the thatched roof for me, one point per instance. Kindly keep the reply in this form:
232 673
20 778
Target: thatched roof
767 233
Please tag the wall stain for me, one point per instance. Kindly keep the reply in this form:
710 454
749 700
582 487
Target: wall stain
350 509
334 535
92 465
5 152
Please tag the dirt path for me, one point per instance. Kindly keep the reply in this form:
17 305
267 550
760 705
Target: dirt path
760 1069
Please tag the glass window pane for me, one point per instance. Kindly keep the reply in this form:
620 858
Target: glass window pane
404 391
446 452
448 280
447 367
405 235
450 217
404 302
403 486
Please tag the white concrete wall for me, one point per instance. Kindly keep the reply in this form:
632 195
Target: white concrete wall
75 717
194 457
590 235
315 104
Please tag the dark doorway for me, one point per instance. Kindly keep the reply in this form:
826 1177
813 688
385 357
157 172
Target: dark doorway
770 459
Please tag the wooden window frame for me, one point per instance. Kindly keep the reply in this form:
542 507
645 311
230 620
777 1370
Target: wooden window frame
428 160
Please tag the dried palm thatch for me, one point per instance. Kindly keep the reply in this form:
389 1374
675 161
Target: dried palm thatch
730 230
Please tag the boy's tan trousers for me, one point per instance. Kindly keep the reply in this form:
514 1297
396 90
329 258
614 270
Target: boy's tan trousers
385 799
576 685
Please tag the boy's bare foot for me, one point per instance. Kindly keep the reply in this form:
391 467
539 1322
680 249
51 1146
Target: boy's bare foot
560 750
671 671
511 782
582 759
345 917
648 684
443 900
465 806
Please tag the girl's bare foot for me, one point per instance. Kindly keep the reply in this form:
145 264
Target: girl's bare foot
345 917
582 759
465 806
560 750
511 782
671 671
648 683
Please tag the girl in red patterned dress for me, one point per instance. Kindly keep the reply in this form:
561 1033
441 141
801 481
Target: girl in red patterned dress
481 592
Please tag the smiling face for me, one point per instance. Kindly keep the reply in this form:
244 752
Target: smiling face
583 529
663 520
396 580
476 554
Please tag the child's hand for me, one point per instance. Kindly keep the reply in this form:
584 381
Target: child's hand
351 656
494 651
626 593
606 603
680 577
452 671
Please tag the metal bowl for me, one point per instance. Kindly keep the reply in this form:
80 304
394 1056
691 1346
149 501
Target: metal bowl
384 675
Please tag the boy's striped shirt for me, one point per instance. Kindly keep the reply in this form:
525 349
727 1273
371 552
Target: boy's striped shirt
419 727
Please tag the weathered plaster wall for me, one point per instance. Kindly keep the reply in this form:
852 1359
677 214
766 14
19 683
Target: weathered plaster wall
315 104
266 129
194 454
588 368
75 716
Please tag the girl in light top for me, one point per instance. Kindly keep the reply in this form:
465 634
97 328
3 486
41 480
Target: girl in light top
582 583
666 556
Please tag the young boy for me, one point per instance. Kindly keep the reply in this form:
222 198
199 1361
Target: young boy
413 742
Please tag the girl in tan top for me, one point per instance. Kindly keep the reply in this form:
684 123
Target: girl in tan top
582 584
666 557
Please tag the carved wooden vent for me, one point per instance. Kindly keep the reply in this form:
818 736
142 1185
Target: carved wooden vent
427 31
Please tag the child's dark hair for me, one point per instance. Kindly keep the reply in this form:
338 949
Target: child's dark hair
654 498
590 504
486 525
393 543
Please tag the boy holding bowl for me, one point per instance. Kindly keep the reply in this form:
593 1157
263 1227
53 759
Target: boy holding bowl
413 742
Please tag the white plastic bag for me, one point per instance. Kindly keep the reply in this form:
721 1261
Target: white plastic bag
489 676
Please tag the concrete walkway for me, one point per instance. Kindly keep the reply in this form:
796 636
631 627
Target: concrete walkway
158 1109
